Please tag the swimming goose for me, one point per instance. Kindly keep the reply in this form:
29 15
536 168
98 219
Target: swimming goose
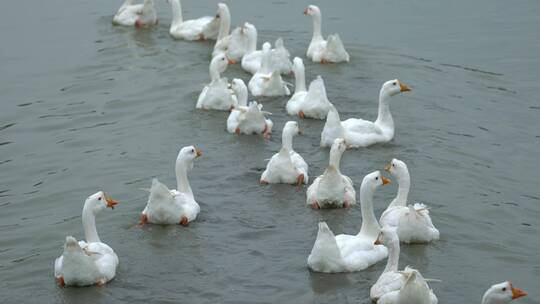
89 262
363 133
286 166
320 50
235 44
414 290
314 105
216 94
247 119
267 81
300 92
332 189
139 15
251 61
203 28
347 253
412 222
391 279
173 207
502 293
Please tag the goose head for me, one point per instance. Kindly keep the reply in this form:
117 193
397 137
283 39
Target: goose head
387 236
219 64
397 168
298 64
338 147
222 10
186 156
373 180
99 201
502 293
292 128
71 244
312 10
394 87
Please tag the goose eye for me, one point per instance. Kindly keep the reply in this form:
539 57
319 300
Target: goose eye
192 150
393 165
504 289
377 178
99 198
394 83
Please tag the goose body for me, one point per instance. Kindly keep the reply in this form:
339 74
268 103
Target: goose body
414 290
332 189
247 119
203 28
235 44
139 15
252 59
173 207
216 95
362 133
348 253
267 81
321 50
286 166
412 222
89 262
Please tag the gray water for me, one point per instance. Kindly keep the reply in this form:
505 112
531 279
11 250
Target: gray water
86 106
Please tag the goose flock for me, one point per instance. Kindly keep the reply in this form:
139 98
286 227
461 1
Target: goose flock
93 262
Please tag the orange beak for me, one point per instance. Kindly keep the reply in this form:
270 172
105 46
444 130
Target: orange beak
517 292
305 11
231 61
199 152
387 167
110 202
378 241
403 87
385 180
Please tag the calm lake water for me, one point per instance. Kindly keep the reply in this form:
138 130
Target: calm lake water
87 106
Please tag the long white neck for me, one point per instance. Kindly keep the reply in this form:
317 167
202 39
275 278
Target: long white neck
252 46
393 256
404 185
384 119
242 96
335 158
182 179
214 70
370 227
317 34
287 139
224 24
333 122
177 12
89 224
300 77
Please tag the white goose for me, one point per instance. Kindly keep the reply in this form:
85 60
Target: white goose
414 290
89 262
412 222
235 44
391 279
245 119
300 92
362 133
251 61
206 27
332 189
286 166
314 103
347 253
320 50
139 15
173 207
216 94
267 81
502 293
